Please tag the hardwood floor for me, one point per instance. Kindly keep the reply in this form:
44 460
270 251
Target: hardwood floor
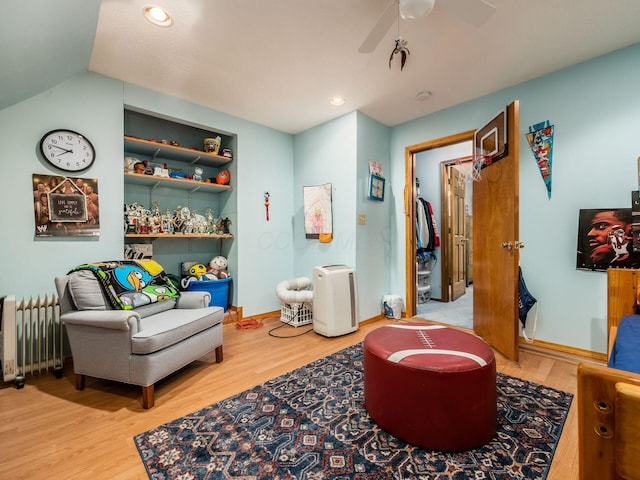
51 430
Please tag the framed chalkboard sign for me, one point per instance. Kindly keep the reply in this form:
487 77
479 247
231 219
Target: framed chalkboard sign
65 206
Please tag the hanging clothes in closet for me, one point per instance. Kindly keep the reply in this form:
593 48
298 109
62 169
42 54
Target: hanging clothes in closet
428 237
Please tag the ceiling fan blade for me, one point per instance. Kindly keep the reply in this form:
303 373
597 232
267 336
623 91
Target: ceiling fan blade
380 29
475 12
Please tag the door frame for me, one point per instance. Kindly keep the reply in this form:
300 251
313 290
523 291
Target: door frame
410 209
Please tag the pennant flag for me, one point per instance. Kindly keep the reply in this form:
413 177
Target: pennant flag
540 138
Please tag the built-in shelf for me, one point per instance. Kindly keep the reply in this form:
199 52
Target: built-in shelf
179 183
179 235
161 150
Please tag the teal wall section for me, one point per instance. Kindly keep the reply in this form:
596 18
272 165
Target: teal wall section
338 152
594 107
92 105
326 154
373 241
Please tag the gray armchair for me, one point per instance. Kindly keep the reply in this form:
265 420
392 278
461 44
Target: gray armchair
139 346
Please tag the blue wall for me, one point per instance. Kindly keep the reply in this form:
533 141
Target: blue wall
93 105
594 107
326 154
373 239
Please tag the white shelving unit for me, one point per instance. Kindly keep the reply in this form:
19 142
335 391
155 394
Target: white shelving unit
423 280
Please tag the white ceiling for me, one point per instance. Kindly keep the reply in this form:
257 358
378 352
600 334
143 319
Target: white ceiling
277 62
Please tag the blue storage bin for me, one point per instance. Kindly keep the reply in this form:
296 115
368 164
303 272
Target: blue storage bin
219 290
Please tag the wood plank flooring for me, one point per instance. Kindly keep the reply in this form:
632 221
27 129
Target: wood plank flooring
50 430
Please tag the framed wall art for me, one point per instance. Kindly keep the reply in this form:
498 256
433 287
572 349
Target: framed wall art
376 188
65 206
317 210
605 240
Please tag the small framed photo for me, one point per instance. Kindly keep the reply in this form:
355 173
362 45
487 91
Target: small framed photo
376 188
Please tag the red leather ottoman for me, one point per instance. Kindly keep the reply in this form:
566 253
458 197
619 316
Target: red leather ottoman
431 386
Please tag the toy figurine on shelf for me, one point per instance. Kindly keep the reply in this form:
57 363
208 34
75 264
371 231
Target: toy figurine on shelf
143 226
130 218
167 222
139 168
211 224
180 218
222 225
155 220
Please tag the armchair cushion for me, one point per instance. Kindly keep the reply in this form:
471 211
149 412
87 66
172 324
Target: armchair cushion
168 328
86 291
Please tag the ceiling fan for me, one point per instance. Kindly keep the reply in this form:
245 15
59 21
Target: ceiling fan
474 12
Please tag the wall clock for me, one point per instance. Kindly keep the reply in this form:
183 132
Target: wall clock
67 150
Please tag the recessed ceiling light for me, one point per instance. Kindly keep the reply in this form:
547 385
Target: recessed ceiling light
424 95
337 101
157 15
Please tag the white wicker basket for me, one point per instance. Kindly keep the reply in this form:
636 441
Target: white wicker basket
295 314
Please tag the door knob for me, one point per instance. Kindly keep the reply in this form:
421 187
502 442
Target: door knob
507 245
518 245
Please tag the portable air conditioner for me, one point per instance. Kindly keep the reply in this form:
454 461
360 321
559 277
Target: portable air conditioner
335 300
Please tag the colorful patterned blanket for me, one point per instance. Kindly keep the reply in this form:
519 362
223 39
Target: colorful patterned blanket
128 284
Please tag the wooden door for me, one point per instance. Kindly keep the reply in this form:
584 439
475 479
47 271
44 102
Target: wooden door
458 275
496 246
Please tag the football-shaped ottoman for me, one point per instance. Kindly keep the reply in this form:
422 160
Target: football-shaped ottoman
431 386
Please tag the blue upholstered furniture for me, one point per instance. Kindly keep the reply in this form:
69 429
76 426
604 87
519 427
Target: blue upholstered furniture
625 353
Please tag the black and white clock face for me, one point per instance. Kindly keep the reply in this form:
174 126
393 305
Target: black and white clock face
67 150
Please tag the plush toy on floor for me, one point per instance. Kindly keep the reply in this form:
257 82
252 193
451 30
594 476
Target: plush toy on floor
218 267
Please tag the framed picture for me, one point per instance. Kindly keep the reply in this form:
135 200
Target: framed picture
605 239
65 206
318 216
376 188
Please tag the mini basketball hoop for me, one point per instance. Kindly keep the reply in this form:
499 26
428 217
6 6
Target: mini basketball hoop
470 167
479 162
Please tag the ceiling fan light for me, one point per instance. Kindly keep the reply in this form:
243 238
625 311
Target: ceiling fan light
410 9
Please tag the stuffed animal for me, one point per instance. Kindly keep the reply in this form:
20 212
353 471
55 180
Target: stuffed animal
218 266
197 272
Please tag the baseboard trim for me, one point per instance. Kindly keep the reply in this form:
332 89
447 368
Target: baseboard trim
564 351
276 314
228 319
372 319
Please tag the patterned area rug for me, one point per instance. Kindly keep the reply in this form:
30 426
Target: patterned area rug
312 424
